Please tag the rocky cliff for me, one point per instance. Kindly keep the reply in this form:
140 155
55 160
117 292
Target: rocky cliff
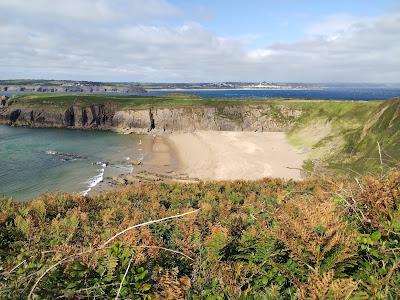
93 116
268 117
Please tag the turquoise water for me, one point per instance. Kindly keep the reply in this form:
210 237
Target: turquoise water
34 161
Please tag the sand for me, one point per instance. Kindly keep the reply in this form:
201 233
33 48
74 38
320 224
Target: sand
213 155
219 155
161 157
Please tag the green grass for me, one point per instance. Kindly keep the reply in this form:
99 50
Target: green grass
169 100
125 102
345 135
382 128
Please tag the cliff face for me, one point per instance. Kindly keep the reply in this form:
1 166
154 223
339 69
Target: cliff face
94 116
229 118
157 120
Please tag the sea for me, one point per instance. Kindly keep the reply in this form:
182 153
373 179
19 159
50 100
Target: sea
330 93
34 161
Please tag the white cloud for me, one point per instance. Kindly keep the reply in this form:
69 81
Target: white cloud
95 10
338 24
366 49
258 54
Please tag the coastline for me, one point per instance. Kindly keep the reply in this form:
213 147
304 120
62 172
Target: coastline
213 155
160 163
149 90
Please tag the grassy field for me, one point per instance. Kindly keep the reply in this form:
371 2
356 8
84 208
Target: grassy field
173 100
124 102
270 239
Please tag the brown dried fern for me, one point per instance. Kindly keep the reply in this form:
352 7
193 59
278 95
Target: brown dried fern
315 233
325 286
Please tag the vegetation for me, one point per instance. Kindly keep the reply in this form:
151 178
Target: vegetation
268 239
350 137
168 100
123 102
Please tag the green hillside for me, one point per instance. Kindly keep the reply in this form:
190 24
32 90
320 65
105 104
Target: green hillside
344 137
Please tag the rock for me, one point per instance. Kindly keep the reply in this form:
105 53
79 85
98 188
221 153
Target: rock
119 180
65 156
5 101
136 162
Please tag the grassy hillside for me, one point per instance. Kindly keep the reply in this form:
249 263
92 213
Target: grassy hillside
269 239
344 137
383 127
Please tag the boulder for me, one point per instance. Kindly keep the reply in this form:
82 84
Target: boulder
136 162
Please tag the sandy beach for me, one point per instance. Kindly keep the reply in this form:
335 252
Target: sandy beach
213 155
217 155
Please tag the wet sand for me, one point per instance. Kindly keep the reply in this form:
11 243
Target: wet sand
161 157
160 163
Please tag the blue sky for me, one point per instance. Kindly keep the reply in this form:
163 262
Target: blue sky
274 21
186 41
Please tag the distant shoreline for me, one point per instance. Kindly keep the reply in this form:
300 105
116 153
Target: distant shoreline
233 89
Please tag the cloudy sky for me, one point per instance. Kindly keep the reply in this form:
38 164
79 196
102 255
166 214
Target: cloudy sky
201 40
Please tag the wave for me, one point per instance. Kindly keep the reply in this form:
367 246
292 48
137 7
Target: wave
95 180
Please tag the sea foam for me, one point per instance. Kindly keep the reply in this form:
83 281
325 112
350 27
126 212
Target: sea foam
95 180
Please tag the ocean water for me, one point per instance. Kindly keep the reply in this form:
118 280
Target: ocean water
327 93
350 93
34 161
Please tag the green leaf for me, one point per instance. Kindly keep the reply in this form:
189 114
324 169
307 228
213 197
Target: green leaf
375 236
145 287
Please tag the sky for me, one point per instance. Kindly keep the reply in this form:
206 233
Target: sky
201 40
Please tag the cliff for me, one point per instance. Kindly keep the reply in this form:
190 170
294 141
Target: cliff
107 116
226 118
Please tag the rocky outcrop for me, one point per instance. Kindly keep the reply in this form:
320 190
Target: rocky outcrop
268 117
5 101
